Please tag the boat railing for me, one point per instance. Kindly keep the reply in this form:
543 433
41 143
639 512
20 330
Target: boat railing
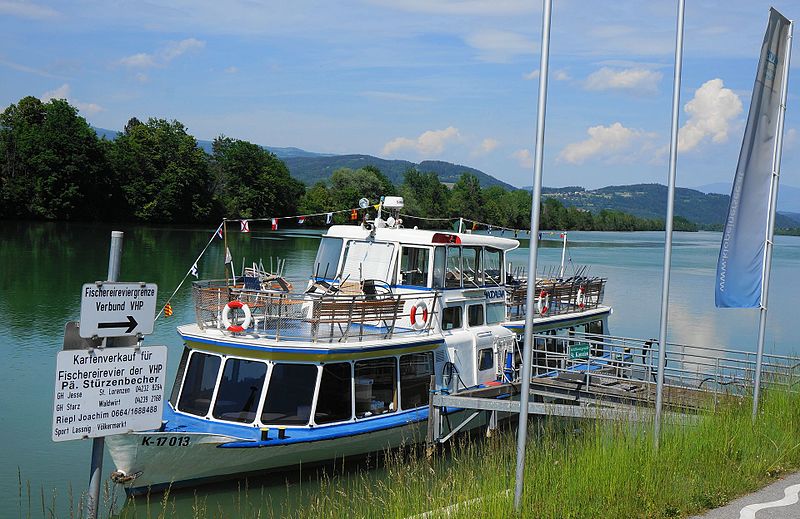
317 317
631 365
556 297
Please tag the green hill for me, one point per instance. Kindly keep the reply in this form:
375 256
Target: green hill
650 201
313 169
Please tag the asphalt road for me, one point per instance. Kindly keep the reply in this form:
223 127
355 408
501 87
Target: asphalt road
777 501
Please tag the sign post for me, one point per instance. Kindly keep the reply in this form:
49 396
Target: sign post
106 382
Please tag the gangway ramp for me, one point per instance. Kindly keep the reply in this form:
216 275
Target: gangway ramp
609 378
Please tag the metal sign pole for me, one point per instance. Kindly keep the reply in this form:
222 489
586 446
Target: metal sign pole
773 202
673 159
98 444
522 432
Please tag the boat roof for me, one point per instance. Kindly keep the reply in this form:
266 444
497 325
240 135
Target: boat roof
420 236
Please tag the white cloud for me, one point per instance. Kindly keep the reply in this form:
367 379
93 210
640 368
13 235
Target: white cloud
533 74
603 141
561 75
396 96
164 55
500 46
26 10
429 143
557 75
639 80
460 7
63 92
486 146
524 158
232 70
711 111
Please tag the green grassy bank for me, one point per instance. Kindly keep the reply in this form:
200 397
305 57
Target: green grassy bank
575 469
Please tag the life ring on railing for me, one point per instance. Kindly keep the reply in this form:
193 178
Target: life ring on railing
581 297
418 322
543 303
226 317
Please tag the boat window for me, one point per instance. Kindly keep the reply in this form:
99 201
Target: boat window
415 379
451 318
240 390
376 387
367 260
453 274
176 387
335 400
475 315
290 393
595 327
327 263
414 266
485 359
473 277
495 313
493 266
198 385
439 267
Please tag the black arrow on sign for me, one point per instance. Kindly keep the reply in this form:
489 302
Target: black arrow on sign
130 324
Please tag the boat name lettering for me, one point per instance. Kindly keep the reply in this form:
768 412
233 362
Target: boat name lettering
163 441
495 294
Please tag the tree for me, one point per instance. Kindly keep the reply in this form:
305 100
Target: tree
164 176
348 186
253 182
466 198
53 165
424 195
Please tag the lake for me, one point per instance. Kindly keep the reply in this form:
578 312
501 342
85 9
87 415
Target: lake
43 265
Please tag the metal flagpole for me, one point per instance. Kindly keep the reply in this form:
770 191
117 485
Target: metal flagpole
770 231
673 159
522 432
98 444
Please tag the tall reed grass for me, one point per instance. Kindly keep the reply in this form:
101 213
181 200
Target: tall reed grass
575 469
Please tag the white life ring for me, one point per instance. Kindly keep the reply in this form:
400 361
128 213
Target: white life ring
418 322
226 317
580 299
543 303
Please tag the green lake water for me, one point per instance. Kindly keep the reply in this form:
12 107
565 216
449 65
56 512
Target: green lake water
43 265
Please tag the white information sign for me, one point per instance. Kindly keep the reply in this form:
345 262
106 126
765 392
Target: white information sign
114 309
100 392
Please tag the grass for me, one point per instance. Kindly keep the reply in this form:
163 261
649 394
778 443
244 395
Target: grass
574 469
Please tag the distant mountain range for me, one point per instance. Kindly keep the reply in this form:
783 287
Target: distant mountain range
788 196
650 201
310 167
705 205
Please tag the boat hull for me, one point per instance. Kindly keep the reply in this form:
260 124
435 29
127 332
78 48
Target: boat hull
173 459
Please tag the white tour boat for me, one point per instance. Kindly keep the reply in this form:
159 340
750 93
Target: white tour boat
272 378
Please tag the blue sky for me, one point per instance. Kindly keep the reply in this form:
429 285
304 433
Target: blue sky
413 79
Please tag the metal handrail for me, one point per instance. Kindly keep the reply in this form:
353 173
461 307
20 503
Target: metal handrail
317 317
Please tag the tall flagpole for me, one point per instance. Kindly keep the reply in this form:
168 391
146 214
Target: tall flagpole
770 231
673 160
522 431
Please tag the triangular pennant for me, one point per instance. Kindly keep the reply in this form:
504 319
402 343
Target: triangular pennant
354 214
228 257
245 225
301 220
328 218
193 271
274 224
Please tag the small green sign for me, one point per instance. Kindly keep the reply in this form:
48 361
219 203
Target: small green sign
579 350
